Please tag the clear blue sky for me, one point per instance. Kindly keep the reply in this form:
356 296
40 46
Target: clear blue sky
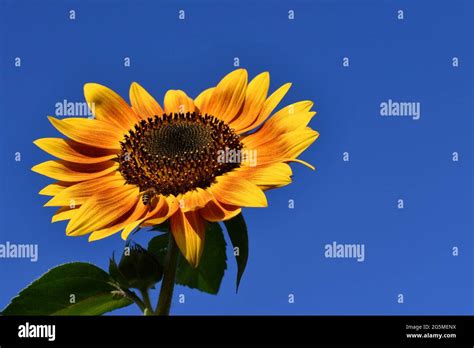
407 251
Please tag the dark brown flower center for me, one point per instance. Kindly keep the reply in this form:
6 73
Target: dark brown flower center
176 153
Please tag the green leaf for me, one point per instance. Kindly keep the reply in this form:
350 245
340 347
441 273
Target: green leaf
237 230
51 294
208 275
115 273
159 245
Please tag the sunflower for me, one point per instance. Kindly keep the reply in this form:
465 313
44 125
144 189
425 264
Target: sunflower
187 162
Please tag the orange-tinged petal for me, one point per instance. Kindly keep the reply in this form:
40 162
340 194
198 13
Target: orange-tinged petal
215 211
202 100
92 132
173 204
137 212
82 191
64 149
188 232
100 211
176 101
67 171
270 104
157 215
161 209
161 213
143 103
109 107
195 199
254 100
233 189
228 96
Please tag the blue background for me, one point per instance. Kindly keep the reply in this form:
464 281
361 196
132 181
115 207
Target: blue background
407 251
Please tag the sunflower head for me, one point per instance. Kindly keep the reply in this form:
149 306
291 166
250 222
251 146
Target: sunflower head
141 164
176 153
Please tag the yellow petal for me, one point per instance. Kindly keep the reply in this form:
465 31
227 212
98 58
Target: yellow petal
270 104
233 189
100 211
54 189
254 100
129 228
228 96
300 162
188 232
290 110
64 213
285 147
91 132
143 103
215 211
109 107
292 117
79 193
277 128
176 101
67 171
202 100
64 149
286 124
267 176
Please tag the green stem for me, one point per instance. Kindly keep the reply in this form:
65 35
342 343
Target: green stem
132 296
146 300
169 274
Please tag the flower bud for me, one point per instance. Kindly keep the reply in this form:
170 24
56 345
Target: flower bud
137 268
